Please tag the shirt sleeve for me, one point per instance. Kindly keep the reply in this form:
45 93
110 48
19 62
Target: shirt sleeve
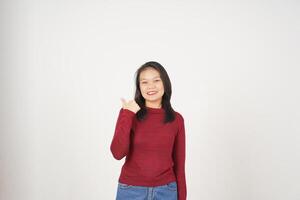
121 139
179 159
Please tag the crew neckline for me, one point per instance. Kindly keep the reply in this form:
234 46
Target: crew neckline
155 110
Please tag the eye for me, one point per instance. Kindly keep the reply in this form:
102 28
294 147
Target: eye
157 80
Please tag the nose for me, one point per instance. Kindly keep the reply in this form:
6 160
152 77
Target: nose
151 86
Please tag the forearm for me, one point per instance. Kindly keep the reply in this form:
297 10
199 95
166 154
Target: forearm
121 139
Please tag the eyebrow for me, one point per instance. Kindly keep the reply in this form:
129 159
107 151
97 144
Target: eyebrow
152 78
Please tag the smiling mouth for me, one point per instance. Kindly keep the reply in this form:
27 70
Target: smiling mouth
151 93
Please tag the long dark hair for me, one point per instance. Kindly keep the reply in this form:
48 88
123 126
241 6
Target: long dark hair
166 104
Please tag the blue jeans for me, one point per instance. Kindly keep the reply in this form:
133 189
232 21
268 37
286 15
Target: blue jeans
163 192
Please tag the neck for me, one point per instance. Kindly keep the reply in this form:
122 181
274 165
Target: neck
153 105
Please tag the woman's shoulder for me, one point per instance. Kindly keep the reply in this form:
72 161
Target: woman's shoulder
178 116
179 120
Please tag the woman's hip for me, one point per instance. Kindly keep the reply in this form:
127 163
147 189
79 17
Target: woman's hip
131 192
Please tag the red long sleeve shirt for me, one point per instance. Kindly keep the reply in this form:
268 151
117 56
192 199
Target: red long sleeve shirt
155 152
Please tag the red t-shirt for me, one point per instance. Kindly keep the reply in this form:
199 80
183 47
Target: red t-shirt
155 152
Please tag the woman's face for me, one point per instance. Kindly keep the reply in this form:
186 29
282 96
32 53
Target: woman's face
152 87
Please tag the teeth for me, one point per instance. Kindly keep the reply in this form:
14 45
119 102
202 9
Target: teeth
151 92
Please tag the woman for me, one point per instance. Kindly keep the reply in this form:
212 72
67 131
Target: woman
152 137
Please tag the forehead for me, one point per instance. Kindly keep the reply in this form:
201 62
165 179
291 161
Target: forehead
149 73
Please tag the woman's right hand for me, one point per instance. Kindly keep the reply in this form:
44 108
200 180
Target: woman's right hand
130 105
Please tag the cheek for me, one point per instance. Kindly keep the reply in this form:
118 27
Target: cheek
162 91
142 89
161 87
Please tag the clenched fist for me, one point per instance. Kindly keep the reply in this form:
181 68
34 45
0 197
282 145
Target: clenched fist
130 105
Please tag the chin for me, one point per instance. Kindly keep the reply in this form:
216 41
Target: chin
153 99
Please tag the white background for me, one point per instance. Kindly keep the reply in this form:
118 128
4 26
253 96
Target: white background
234 67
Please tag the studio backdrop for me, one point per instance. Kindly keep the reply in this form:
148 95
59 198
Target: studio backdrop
234 68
